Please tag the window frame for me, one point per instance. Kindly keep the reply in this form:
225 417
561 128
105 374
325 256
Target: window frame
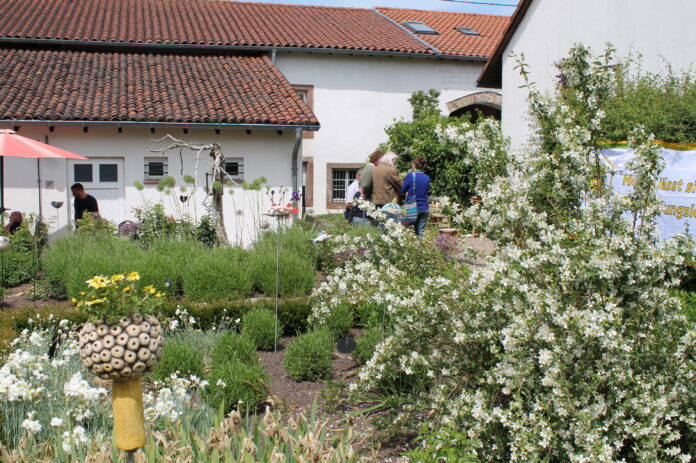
239 177
149 178
308 90
427 30
468 31
330 203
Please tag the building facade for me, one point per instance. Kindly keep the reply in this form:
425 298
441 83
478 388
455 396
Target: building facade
545 30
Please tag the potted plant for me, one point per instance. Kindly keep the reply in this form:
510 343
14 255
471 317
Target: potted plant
122 338
122 341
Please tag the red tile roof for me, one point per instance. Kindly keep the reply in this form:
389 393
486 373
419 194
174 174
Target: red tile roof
450 41
204 23
99 86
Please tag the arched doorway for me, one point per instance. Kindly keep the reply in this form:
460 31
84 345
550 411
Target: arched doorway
486 103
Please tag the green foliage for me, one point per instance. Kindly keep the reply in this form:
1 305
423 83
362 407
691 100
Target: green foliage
155 223
234 381
340 321
292 313
449 174
90 226
165 262
367 344
663 103
258 326
688 304
69 262
221 273
444 445
308 358
205 231
230 344
298 258
296 273
179 357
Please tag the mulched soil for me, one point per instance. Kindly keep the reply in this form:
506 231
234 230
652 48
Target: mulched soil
299 397
21 296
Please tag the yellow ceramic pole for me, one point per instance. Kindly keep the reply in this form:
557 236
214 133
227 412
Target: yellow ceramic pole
129 420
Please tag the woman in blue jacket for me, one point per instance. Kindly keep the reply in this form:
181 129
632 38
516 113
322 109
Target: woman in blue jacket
417 184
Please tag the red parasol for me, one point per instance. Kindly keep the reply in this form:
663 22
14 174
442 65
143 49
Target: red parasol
15 145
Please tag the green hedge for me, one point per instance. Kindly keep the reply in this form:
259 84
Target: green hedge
183 268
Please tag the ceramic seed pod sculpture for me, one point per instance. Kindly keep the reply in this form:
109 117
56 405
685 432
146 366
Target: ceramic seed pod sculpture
123 350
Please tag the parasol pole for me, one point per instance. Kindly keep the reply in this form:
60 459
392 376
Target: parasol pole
38 175
2 188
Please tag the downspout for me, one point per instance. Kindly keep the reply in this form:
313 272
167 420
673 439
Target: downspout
295 153
273 56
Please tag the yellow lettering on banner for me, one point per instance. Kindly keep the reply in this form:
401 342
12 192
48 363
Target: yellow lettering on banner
628 180
680 212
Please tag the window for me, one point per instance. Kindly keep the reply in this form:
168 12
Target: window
306 92
234 168
108 172
467 31
83 173
419 27
341 179
156 168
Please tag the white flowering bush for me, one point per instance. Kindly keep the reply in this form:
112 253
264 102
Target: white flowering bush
566 345
44 397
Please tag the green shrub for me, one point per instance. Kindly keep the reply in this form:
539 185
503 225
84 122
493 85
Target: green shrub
219 274
297 273
292 313
259 326
233 381
19 266
230 344
179 357
164 263
69 262
688 304
308 358
340 321
367 344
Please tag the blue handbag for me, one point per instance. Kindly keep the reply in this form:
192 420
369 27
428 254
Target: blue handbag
411 207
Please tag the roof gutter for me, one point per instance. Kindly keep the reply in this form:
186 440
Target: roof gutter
134 47
182 125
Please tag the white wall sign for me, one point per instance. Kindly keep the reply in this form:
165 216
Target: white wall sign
676 187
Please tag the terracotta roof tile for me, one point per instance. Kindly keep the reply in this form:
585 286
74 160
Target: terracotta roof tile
449 41
137 87
205 23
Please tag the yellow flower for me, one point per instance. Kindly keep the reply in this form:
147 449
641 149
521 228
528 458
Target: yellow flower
149 289
96 301
126 289
133 276
97 282
158 295
74 301
118 277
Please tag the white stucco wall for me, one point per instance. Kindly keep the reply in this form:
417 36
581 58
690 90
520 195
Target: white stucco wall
658 30
356 97
265 153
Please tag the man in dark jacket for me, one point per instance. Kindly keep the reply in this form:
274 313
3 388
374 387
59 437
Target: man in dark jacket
83 202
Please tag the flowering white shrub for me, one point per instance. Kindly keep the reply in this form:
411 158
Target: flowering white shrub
567 345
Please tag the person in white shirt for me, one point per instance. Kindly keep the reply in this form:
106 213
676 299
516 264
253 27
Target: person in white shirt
352 190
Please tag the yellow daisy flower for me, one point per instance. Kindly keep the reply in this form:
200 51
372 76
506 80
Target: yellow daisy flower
133 276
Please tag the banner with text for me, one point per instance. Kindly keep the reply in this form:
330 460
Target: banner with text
676 187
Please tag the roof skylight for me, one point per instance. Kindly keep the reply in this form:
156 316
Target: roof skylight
468 31
419 27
